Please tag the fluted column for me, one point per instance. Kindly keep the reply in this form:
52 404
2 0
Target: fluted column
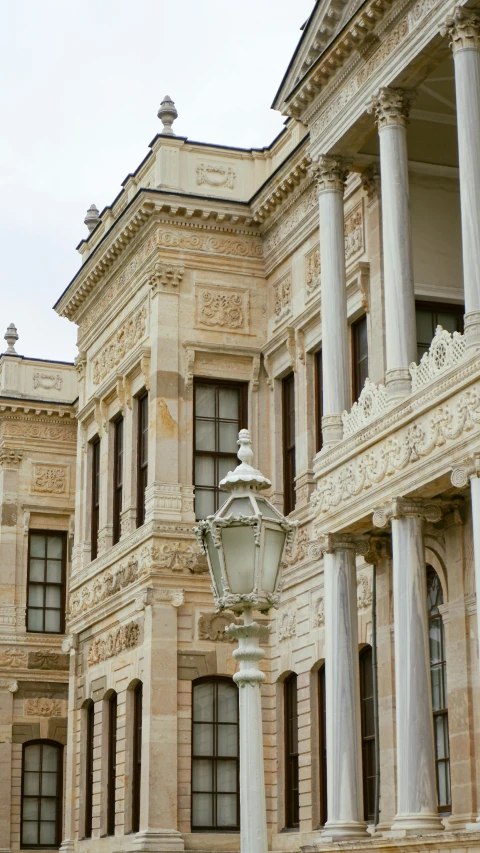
416 782
344 765
463 30
330 174
391 108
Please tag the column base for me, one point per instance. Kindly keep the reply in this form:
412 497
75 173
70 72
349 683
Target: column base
398 383
332 430
338 830
472 330
66 846
158 841
415 824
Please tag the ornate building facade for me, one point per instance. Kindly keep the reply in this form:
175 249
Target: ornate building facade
325 292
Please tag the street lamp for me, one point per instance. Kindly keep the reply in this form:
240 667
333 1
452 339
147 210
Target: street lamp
244 544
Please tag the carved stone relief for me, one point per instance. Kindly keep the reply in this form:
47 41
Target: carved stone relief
63 432
312 272
353 230
47 381
318 614
43 708
215 175
211 626
222 307
50 479
287 625
282 294
13 659
307 203
118 345
47 659
364 591
111 644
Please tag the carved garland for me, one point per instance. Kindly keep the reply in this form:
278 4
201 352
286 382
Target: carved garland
114 643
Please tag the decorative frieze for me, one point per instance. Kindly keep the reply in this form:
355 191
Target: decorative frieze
222 307
446 350
118 345
44 432
287 625
50 479
47 381
312 271
114 643
282 295
292 220
354 232
216 175
13 658
47 659
112 581
211 243
43 708
211 626
371 404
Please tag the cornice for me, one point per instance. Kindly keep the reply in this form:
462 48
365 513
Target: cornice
53 410
284 188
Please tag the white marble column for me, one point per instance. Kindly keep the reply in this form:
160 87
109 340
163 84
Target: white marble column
416 781
344 764
330 174
463 30
391 108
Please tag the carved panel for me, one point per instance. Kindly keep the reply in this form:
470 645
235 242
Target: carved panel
287 625
62 432
13 658
354 233
222 307
364 591
47 381
48 659
50 479
118 345
43 707
318 612
111 644
445 351
216 175
199 242
282 295
211 626
312 271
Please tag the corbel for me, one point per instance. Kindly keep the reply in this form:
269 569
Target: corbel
189 366
300 344
127 388
120 389
26 521
291 348
100 415
268 365
255 372
145 368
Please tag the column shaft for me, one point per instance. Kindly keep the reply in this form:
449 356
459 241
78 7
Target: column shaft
344 765
416 787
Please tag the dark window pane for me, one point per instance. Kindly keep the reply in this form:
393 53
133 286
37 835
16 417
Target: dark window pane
429 316
292 800
438 677
142 457
95 507
41 795
360 356
46 579
288 401
137 756
117 479
318 399
368 733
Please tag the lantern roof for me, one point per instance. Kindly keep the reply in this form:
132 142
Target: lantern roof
244 475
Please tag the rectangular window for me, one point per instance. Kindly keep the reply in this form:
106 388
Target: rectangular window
318 399
41 819
322 743
291 754
117 478
112 763
142 451
95 509
359 356
429 315
288 400
46 582
137 756
89 744
220 414
369 765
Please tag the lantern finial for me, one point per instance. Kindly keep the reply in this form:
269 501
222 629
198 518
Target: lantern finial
245 475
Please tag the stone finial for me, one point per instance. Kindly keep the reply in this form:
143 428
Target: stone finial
92 218
11 337
167 114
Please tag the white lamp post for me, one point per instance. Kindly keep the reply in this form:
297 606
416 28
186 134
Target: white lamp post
244 544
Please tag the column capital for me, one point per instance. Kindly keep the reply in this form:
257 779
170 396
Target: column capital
330 542
405 508
370 177
463 471
165 278
462 29
330 172
379 547
391 106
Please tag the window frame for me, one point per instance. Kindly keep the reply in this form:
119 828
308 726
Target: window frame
318 399
440 712
89 749
434 307
58 795
216 679
367 650
322 744
356 361
63 585
112 762
95 445
292 793
242 387
118 476
142 467
288 449
137 725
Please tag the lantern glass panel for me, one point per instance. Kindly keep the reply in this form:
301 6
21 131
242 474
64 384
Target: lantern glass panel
240 506
214 560
239 554
267 509
272 554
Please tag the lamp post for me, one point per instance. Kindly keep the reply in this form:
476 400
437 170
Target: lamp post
244 544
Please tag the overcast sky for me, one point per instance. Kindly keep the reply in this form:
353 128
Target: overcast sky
80 85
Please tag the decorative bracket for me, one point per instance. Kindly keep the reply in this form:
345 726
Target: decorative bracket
462 472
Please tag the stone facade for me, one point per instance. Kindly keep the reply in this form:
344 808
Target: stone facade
218 264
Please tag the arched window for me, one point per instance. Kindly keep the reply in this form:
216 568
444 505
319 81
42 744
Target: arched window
438 675
215 755
369 765
291 753
41 794
89 733
322 744
137 755
112 763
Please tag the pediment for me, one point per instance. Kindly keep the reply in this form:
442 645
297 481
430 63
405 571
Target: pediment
325 22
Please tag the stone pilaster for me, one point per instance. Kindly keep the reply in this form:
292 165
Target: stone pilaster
70 644
344 765
391 108
416 783
463 31
330 173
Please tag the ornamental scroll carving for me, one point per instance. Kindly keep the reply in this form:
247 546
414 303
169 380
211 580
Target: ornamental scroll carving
64 432
211 626
420 439
445 351
43 707
353 231
112 581
13 659
198 242
49 479
223 307
130 333
282 294
318 615
114 643
47 381
287 625
372 403
215 175
312 271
